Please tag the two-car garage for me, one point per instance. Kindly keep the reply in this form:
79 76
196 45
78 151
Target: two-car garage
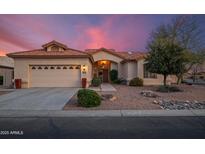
55 76
53 65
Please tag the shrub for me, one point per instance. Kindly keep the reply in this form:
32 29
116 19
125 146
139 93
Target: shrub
96 81
168 89
136 82
88 98
117 81
113 75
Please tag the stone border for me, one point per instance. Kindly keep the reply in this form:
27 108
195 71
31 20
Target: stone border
98 113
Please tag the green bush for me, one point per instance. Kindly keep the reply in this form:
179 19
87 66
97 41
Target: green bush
96 81
88 98
168 89
136 82
113 75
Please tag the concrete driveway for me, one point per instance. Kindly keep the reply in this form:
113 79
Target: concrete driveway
37 99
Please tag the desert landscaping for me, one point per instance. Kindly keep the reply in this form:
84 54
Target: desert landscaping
127 97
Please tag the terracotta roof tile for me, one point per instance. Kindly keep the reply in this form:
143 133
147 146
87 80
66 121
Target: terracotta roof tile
124 54
69 52
43 53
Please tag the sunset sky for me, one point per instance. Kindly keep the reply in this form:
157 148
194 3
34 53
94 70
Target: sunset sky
121 32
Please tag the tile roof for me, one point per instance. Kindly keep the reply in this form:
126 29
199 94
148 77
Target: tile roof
43 53
69 52
123 54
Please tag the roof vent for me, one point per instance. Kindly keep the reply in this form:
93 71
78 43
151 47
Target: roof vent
129 52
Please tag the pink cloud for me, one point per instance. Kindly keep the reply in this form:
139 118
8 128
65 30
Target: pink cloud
120 32
2 53
97 38
21 32
112 33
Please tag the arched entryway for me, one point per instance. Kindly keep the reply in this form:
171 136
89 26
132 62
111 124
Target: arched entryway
102 68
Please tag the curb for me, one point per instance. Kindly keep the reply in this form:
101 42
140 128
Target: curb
97 113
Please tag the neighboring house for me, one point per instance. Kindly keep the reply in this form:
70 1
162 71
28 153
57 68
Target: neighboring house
6 71
56 65
197 70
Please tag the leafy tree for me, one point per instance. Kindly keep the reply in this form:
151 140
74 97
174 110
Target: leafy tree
163 57
184 30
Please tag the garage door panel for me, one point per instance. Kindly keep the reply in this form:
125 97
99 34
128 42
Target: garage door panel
55 77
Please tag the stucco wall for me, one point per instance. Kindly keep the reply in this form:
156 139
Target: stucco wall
21 67
152 81
7 76
113 66
132 70
124 71
106 56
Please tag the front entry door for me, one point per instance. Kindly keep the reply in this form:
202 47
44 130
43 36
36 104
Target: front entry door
105 75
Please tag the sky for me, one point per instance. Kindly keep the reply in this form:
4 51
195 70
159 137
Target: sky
119 32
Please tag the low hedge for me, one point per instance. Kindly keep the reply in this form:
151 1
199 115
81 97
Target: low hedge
88 98
136 82
96 81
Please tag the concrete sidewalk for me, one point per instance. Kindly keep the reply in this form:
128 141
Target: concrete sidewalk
100 113
104 87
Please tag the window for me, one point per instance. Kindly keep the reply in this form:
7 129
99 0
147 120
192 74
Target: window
54 48
45 68
77 67
64 67
148 74
58 67
52 68
39 67
33 68
71 67
1 80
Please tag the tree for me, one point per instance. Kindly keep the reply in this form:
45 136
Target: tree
163 57
184 30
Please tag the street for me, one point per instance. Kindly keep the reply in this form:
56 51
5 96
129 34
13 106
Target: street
103 128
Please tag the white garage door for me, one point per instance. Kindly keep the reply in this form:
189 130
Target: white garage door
55 76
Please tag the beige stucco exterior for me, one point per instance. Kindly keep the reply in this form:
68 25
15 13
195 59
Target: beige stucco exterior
22 67
131 69
126 70
115 61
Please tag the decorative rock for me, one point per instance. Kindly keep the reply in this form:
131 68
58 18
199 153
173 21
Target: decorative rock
195 101
155 102
113 98
180 105
148 93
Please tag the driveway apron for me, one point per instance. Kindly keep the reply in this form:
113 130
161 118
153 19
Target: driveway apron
37 99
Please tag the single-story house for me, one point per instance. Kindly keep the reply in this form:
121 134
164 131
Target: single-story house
57 65
6 72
